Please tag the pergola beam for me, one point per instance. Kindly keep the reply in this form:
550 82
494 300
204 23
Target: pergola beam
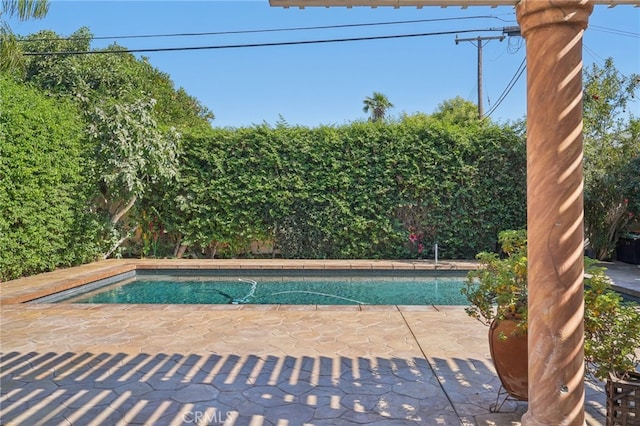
419 3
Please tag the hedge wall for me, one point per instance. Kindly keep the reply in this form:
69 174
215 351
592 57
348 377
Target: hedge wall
41 179
363 190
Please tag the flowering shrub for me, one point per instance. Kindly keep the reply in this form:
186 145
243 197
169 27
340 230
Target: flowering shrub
421 240
416 240
151 228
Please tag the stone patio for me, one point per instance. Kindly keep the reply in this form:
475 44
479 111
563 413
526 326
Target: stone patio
66 364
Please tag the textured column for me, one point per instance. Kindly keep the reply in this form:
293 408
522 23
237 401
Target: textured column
553 32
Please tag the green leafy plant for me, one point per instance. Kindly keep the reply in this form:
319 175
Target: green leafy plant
498 290
325 192
611 328
611 152
44 220
378 104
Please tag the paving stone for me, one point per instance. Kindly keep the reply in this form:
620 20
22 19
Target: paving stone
360 403
87 397
398 422
296 389
209 412
251 421
93 415
328 413
498 419
417 389
135 389
406 370
359 388
334 422
364 418
182 416
9 385
300 414
195 393
441 418
266 396
38 389
41 415
249 409
398 407
120 364
229 400
171 383
438 402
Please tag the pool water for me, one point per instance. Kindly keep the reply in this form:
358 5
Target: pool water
331 290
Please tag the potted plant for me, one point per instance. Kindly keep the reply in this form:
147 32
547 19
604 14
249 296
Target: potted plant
497 295
612 346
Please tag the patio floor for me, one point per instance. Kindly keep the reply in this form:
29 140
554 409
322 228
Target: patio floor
245 364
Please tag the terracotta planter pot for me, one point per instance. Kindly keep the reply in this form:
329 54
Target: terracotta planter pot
510 357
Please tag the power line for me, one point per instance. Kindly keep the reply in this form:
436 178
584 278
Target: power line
507 90
268 30
599 60
236 46
514 44
615 31
510 86
593 53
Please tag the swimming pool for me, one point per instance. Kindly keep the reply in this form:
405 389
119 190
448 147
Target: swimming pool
277 287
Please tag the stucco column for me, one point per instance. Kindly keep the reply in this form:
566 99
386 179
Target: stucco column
553 32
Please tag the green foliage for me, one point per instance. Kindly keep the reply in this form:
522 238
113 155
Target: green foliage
93 78
43 199
498 290
631 188
612 329
130 155
214 205
130 150
354 191
377 105
133 113
457 111
11 58
24 9
611 146
350 191
452 172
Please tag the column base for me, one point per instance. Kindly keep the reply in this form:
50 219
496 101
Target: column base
528 420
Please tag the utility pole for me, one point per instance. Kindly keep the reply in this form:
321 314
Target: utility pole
479 46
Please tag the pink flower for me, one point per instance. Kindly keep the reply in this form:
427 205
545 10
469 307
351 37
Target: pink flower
413 238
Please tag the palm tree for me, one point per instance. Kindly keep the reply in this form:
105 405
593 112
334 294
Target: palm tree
10 52
378 104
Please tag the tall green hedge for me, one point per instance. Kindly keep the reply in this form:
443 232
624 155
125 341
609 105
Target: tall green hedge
41 179
362 190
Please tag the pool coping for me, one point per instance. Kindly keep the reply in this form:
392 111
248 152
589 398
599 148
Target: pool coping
26 289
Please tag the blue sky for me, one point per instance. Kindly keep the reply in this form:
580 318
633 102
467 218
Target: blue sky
318 84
